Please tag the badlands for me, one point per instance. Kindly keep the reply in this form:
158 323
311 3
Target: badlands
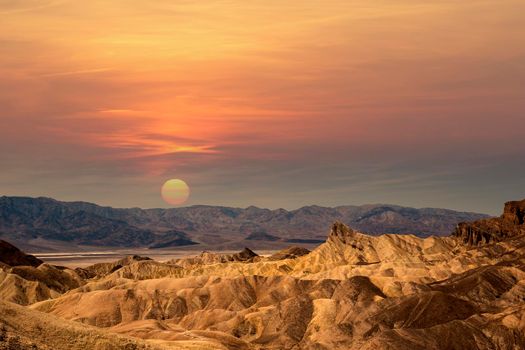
355 291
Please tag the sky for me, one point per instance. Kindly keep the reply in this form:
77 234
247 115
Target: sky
264 102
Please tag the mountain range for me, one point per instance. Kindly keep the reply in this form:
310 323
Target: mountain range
47 224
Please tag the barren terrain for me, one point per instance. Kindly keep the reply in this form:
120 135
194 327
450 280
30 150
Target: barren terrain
355 291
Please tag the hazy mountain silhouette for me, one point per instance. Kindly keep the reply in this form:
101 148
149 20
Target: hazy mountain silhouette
43 221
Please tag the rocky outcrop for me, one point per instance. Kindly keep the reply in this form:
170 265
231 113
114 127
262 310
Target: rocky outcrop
514 212
342 233
12 256
244 255
509 224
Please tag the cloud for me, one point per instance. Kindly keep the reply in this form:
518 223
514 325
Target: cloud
14 7
76 72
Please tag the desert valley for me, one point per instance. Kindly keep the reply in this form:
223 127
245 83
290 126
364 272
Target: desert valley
354 291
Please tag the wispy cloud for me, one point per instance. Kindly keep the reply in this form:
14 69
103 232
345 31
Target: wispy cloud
13 7
75 72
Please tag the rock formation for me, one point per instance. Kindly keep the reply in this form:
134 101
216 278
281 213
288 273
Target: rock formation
341 232
509 224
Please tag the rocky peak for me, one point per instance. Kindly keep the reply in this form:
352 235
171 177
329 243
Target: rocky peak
510 224
341 232
514 212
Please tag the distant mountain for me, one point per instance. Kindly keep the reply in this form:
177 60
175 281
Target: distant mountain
36 222
45 222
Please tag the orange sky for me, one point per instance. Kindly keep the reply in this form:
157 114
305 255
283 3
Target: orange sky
263 102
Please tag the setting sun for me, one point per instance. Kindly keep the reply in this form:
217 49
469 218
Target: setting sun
175 192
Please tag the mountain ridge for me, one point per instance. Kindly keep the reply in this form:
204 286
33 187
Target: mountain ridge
25 219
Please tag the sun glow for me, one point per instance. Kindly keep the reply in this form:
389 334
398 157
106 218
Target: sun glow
175 192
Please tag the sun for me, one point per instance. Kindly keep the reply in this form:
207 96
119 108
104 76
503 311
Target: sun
175 192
